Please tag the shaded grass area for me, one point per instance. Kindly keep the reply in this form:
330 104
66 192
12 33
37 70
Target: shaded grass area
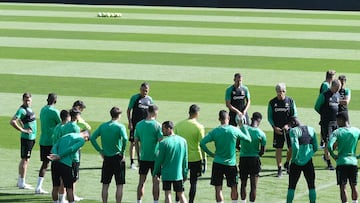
208 60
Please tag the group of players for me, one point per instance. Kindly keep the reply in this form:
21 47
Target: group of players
185 146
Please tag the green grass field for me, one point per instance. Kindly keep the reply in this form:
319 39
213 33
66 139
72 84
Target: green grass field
188 55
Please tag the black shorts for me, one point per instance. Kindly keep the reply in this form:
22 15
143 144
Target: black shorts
131 135
76 168
279 140
327 129
113 166
346 172
249 166
26 148
44 152
295 172
195 169
218 172
145 166
178 185
61 171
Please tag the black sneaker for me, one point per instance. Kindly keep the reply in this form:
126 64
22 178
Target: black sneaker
286 166
279 172
330 167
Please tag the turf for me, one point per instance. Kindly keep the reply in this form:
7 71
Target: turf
204 48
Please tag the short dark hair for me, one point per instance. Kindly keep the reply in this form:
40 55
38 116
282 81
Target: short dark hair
80 104
256 116
294 121
168 124
343 115
115 112
222 115
237 75
52 97
64 114
194 109
342 77
26 95
152 108
74 112
145 84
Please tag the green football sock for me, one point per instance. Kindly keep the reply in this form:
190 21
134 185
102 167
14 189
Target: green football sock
290 195
312 195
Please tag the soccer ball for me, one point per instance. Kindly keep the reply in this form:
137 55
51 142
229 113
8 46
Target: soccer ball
240 119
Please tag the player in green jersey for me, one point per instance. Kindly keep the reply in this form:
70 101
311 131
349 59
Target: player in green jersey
61 168
113 142
172 162
192 131
345 139
24 121
57 133
250 152
304 145
147 136
49 118
224 137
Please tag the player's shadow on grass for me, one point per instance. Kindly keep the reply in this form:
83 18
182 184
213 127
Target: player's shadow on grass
9 197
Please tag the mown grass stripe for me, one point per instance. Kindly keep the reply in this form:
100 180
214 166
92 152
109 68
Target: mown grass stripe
187 17
194 24
181 39
238 50
203 60
169 73
183 31
189 10
161 90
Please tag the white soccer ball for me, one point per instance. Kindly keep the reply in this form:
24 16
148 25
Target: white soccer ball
99 14
240 119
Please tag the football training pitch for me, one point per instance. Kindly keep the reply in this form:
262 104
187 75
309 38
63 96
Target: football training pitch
188 55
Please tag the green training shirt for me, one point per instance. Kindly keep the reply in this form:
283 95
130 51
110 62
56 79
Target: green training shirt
148 133
225 137
192 131
27 114
113 138
258 138
304 144
49 118
347 139
67 146
57 133
172 159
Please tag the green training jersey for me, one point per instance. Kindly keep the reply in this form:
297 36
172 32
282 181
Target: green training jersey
67 147
324 87
258 139
113 138
172 159
303 143
192 131
58 132
148 133
225 137
49 118
70 127
27 118
346 139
